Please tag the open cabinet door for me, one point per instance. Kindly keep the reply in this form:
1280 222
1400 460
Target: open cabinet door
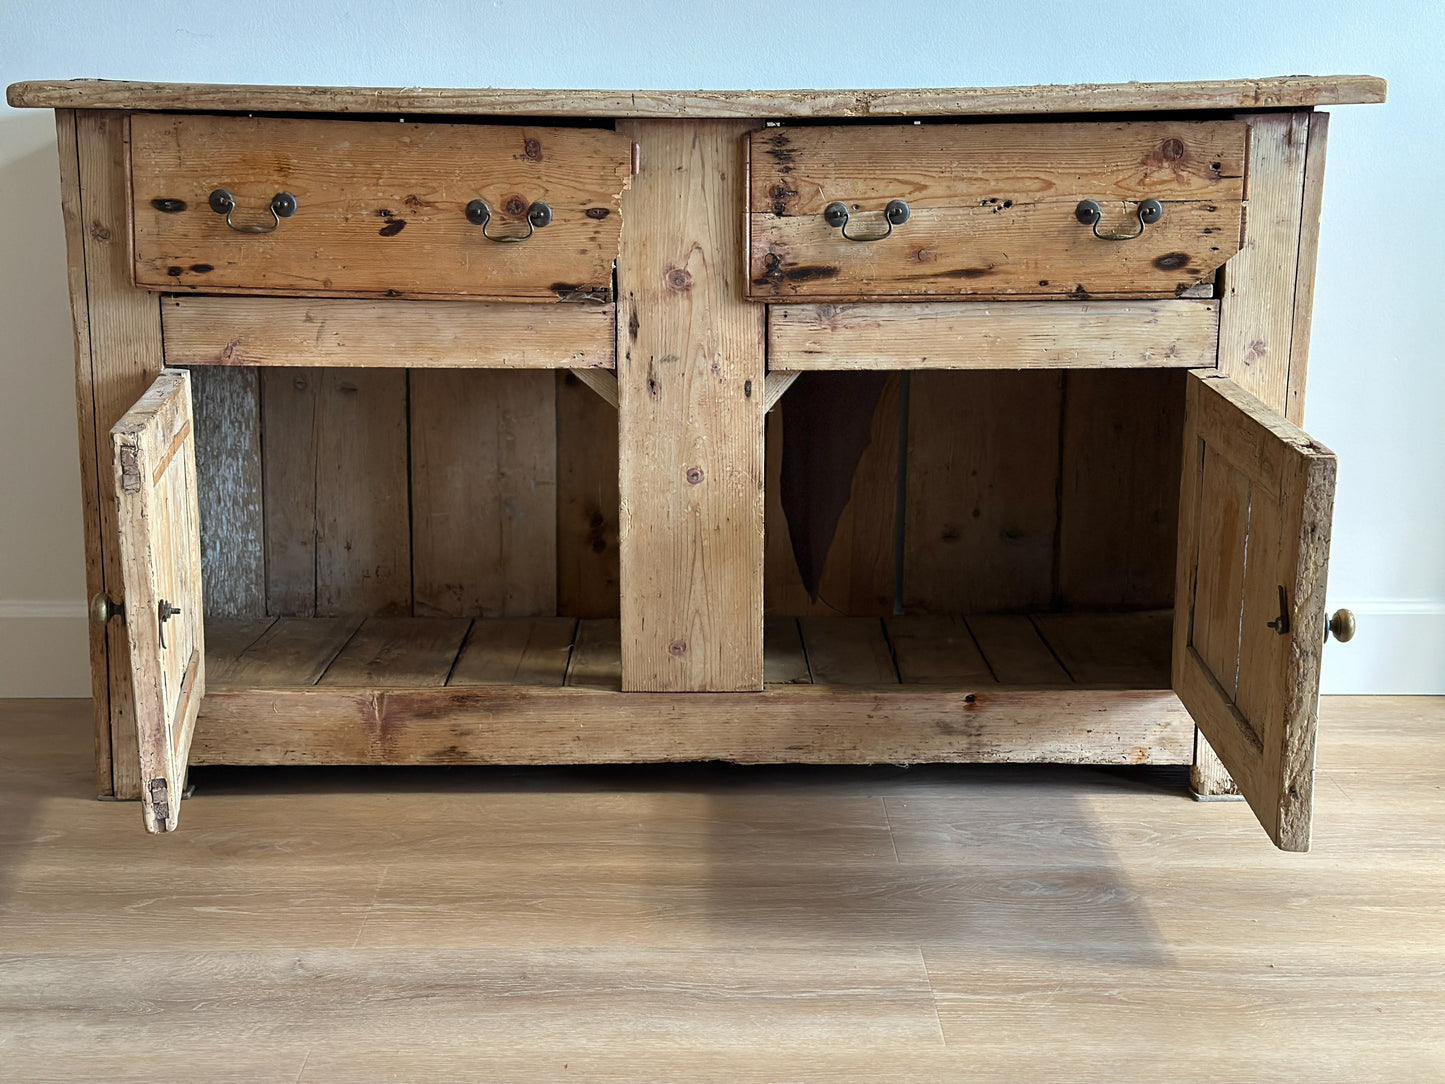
1249 614
160 554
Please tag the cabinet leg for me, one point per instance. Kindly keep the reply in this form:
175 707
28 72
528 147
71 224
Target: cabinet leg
1208 778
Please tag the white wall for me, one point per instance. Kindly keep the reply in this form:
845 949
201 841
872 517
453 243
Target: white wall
1377 377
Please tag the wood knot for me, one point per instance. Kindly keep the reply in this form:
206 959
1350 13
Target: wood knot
515 205
1171 150
694 476
677 649
678 279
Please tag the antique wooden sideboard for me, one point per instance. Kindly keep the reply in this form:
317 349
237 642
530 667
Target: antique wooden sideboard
437 426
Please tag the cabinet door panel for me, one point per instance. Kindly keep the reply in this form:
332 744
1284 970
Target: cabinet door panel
160 552
1254 538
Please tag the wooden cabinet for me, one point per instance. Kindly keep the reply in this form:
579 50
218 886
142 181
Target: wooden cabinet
377 475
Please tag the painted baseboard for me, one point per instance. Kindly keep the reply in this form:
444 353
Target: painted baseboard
1399 648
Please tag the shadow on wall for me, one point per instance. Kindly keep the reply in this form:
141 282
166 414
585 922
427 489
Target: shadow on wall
42 572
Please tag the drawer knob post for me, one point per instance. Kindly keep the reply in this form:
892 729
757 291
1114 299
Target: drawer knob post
538 216
282 205
1088 212
836 215
1342 626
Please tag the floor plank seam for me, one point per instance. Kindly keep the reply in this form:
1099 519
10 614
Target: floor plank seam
376 895
891 838
933 997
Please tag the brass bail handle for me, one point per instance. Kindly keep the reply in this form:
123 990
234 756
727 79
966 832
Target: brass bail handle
282 205
539 215
1088 212
895 214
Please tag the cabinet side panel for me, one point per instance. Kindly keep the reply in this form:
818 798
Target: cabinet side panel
587 573
70 208
125 350
690 371
1304 287
1256 320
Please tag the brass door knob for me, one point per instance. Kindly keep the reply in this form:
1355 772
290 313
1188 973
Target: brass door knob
1342 625
103 608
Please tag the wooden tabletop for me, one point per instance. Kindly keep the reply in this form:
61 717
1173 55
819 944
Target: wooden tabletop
1282 92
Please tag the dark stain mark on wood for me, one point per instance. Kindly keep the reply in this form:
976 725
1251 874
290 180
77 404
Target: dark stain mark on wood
392 228
599 213
597 531
201 268
1172 261
175 272
632 325
810 273
1079 292
100 231
567 291
393 293
1043 282
781 194
416 203
780 150
532 148
967 272
169 206
772 271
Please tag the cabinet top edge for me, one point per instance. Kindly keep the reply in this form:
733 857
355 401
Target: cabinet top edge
1280 92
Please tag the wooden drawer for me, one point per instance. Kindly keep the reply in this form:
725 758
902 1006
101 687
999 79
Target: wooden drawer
381 207
992 209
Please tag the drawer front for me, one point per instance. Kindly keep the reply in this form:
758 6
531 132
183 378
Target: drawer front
992 209
381 208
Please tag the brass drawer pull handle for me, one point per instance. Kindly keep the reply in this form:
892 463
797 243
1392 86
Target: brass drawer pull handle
836 215
282 205
538 215
1089 212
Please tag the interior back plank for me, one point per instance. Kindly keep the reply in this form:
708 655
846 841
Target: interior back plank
289 430
411 652
1015 651
848 651
484 493
936 650
983 465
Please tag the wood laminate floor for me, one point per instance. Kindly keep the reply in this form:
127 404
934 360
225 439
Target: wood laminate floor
707 923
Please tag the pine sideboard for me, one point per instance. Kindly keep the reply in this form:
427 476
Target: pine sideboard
472 427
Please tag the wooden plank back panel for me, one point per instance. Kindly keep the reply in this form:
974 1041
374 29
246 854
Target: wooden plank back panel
125 356
484 493
587 553
858 578
381 207
690 370
204 330
1119 490
363 545
977 335
983 467
515 651
290 426
993 208
228 461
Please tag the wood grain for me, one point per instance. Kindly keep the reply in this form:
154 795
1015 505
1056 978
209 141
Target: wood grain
516 651
979 335
802 724
400 651
203 330
94 472
483 493
1277 92
290 424
936 650
293 651
982 507
858 579
1119 488
1128 650
690 368
227 410
992 208
596 661
1256 320
125 357
785 661
160 550
1015 652
363 545
1256 697
381 207
848 651
1304 284
227 639
587 502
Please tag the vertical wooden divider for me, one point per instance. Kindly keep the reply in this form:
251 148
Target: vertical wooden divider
125 356
690 368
